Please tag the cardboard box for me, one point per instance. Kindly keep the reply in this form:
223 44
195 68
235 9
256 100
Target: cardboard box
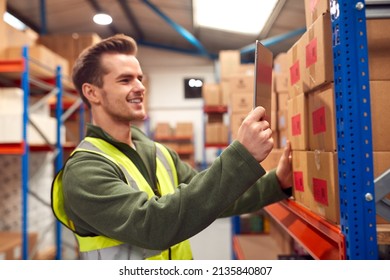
302 192
236 120
380 115
211 93
281 82
3 41
314 9
322 120
282 138
43 62
241 102
378 41
318 68
185 148
163 130
324 185
272 160
19 38
298 123
282 120
296 59
69 46
274 120
225 92
229 63
242 84
217 133
281 63
184 130
42 130
381 162
11 245
282 100
247 69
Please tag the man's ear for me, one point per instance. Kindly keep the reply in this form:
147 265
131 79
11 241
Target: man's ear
91 93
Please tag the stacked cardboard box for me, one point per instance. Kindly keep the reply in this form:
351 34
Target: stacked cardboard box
216 130
41 129
237 85
178 138
280 86
11 245
241 100
312 113
69 46
43 61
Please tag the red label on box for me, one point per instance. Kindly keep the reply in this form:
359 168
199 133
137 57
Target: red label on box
311 53
319 122
298 181
295 75
296 125
320 190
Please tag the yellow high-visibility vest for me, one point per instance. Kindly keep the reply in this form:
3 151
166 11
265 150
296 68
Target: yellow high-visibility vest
101 247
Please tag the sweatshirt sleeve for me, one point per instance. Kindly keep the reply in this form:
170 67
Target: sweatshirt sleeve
100 203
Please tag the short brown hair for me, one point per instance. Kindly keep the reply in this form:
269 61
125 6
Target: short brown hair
87 67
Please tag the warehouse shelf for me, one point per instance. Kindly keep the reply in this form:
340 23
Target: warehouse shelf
317 236
357 236
17 72
12 148
215 109
182 144
212 110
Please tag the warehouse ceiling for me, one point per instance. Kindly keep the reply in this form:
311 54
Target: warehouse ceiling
164 24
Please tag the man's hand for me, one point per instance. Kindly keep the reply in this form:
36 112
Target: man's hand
284 168
256 135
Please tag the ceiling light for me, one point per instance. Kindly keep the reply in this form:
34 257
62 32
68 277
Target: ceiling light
195 83
245 16
102 19
13 21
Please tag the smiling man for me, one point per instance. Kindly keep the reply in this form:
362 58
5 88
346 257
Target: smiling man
128 197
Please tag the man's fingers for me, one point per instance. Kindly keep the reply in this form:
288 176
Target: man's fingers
256 115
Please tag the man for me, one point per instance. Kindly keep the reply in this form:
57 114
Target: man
127 197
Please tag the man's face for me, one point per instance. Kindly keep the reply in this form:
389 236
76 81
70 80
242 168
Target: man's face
122 93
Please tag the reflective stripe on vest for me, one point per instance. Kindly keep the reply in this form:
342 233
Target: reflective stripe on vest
101 247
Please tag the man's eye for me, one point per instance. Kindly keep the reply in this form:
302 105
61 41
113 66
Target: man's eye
124 81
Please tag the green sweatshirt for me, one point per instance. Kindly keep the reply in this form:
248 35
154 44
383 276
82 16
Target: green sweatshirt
99 202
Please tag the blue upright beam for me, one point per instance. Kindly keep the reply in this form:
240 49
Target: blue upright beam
353 117
26 154
43 30
60 152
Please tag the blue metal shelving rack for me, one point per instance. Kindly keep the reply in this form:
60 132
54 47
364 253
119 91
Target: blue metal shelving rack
353 119
26 153
25 84
60 151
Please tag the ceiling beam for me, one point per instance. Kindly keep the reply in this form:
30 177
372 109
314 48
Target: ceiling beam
181 30
98 9
43 17
273 40
23 19
178 50
131 18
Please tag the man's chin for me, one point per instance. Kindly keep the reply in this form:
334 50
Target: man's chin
139 117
